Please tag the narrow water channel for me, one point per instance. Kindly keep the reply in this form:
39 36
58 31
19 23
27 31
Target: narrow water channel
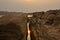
28 37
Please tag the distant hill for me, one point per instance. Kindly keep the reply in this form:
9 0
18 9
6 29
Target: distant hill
6 12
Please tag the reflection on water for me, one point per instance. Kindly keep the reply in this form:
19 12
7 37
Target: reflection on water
28 37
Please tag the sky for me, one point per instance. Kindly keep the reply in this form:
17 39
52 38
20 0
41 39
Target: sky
29 5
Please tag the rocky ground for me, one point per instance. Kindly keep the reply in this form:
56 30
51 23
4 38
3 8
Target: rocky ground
43 26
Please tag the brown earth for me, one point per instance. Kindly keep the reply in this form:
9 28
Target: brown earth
43 26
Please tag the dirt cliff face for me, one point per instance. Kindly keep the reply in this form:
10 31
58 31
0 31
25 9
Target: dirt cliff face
13 27
45 25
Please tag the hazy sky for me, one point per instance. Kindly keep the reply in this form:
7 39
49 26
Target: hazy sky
28 5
